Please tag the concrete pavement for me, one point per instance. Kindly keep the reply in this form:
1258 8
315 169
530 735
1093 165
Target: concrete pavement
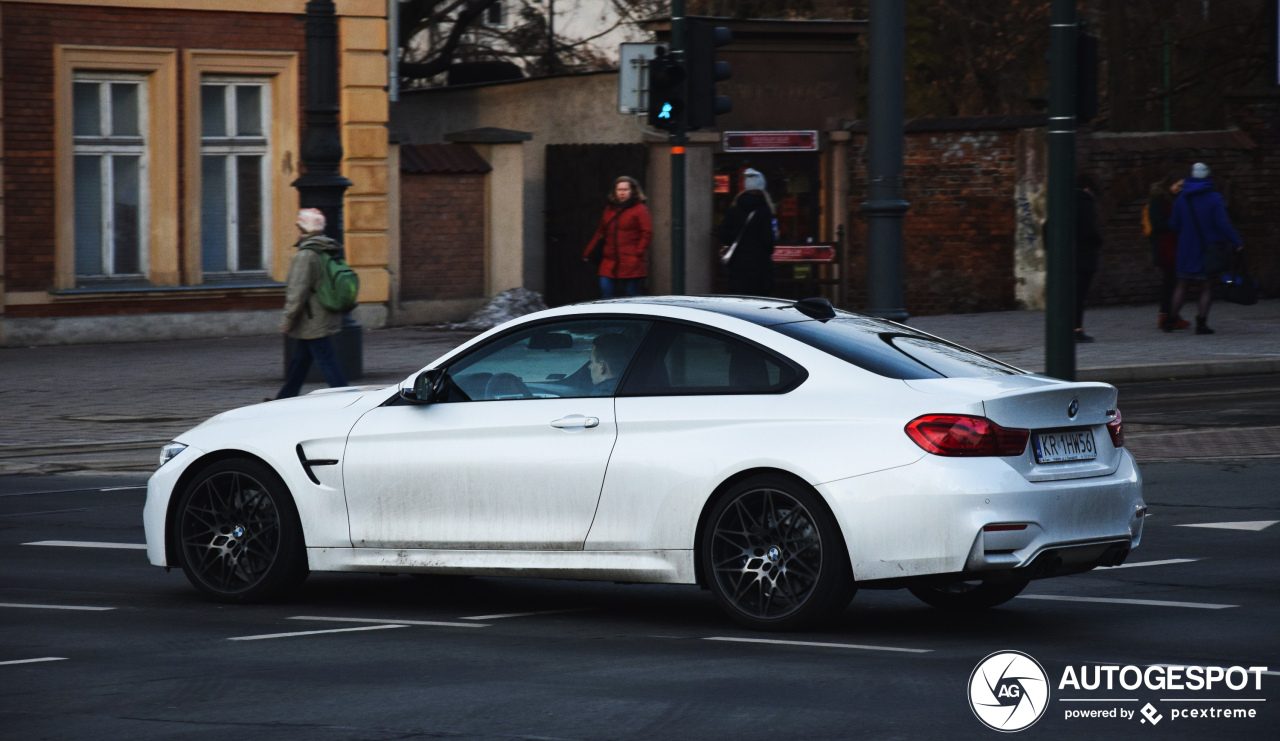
109 407
1128 346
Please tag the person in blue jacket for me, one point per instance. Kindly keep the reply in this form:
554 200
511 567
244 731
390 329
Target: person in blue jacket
1199 219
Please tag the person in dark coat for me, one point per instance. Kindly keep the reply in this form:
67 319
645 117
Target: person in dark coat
1164 243
1200 219
749 223
624 236
1088 243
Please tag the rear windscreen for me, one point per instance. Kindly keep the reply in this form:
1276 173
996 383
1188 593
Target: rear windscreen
887 350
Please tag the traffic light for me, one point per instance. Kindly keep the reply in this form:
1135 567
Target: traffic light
701 43
666 90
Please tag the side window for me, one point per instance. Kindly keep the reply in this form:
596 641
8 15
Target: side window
563 360
684 360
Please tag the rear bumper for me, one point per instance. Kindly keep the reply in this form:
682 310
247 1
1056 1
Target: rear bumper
928 518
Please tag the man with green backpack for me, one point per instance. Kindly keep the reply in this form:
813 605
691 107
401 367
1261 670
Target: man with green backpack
321 288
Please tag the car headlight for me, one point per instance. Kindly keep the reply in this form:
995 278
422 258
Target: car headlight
169 451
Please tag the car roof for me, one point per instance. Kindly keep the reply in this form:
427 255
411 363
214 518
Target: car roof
766 312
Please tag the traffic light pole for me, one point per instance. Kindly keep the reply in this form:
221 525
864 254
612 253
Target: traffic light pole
679 139
885 207
1060 237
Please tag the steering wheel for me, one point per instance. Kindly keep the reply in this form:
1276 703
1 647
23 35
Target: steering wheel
506 385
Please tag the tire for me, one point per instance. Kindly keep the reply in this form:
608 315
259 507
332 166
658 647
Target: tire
238 534
968 596
773 555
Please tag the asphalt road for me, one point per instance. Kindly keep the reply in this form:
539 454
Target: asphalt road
605 661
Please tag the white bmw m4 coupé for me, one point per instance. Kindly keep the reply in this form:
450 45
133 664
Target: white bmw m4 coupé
779 454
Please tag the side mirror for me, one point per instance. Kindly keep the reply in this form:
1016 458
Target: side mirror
424 387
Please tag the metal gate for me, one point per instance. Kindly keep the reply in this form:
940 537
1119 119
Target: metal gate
578 179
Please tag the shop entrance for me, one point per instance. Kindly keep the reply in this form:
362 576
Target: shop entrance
794 184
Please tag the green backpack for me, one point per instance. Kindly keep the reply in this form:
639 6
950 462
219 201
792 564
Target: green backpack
338 284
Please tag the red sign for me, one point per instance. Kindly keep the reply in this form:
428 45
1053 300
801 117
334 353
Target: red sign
770 141
804 253
722 183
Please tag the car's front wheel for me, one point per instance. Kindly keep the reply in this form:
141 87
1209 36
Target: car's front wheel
773 556
968 596
238 533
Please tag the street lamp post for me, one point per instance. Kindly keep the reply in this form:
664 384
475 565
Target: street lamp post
885 207
1060 237
322 184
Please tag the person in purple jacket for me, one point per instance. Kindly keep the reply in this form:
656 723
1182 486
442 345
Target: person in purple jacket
1199 219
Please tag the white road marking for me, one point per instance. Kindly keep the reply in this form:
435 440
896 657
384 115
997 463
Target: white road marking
90 544
815 644
521 614
1155 563
438 623
33 661
265 636
55 607
1119 601
1254 526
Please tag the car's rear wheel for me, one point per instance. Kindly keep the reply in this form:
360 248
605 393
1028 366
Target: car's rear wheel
773 556
968 596
238 533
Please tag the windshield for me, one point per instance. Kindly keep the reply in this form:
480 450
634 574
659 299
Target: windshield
892 350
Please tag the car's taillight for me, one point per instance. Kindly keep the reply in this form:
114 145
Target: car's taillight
1115 428
963 435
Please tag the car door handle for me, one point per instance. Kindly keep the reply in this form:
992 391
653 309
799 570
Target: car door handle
576 420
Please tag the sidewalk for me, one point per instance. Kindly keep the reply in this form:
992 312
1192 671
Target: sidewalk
110 407
1128 345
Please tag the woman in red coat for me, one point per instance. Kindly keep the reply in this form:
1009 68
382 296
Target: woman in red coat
624 236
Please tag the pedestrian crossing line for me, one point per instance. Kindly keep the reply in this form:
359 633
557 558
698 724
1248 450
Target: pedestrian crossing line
1165 562
33 661
83 608
436 623
1252 526
1124 601
268 636
89 544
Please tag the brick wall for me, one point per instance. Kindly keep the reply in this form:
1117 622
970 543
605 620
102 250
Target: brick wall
442 236
1124 167
30 32
958 236
960 177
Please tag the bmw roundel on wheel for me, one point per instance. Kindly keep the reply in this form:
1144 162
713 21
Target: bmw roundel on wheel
779 454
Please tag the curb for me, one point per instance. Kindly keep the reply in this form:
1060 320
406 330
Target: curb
1172 371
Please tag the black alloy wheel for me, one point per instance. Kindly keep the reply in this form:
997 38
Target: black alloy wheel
238 533
773 556
969 596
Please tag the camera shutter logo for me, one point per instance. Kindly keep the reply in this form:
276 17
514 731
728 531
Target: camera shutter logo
1008 691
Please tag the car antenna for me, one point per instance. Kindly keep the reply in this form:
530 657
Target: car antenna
816 308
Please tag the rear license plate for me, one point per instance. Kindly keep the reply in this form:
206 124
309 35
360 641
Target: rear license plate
1063 446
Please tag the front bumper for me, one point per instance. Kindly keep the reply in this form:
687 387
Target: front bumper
928 518
160 489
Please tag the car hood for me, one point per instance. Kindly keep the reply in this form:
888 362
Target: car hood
320 401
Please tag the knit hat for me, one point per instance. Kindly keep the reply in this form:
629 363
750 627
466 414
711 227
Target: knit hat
752 179
1200 170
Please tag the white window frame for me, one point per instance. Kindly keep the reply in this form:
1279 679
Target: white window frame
103 147
231 147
